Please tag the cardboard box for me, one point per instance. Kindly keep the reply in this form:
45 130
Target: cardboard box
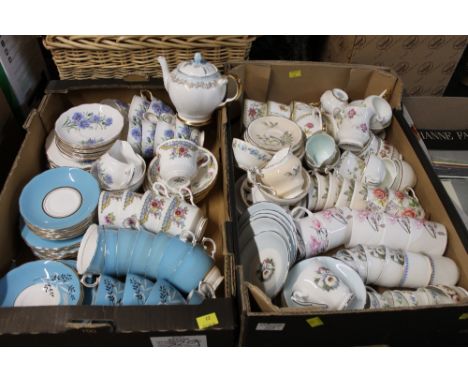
97 325
424 63
263 324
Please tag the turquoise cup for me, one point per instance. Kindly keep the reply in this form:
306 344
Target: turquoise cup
109 291
163 293
137 290
192 269
110 253
173 256
126 239
137 260
96 266
150 268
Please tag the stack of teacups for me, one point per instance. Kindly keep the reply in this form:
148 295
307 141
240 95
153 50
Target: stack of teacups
282 180
120 168
379 147
395 174
387 267
84 133
154 211
57 207
430 295
118 253
324 230
152 122
399 232
397 203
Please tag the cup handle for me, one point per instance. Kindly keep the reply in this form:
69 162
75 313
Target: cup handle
238 90
411 193
206 160
146 94
188 236
160 189
303 209
300 300
89 285
206 289
213 244
188 193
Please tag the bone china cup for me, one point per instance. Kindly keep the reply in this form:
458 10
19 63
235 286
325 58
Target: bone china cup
382 112
321 150
332 101
353 131
249 156
283 174
178 161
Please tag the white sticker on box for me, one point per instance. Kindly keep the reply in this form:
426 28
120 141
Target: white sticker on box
273 327
179 341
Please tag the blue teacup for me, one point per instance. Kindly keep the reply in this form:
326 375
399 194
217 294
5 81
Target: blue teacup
173 256
109 292
110 253
136 260
126 239
137 290
149 267
164 293
195 297
89 289
192 269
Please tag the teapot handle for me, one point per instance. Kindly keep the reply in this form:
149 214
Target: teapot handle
238 90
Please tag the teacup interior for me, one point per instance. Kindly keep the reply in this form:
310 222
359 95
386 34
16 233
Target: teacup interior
320 148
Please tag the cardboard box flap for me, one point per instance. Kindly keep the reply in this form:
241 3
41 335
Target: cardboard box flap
281 81
438 113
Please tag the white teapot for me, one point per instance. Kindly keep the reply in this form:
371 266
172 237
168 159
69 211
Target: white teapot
196 89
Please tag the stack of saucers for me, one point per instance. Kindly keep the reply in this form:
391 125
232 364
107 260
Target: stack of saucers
82 134
268 245
57 207
273 133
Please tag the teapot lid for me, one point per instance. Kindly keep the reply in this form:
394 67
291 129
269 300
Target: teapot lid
198 67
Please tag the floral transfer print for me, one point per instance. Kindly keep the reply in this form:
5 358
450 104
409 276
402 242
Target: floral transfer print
87 120
286 139
252 111
266 269
376 251
131 222
179 149
158 107
397 256
326 280
152 206
318 240
60 281
252 151
109 219
108 197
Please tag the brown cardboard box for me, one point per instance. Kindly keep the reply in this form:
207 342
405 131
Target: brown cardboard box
424 63
5 112
97 325
263 323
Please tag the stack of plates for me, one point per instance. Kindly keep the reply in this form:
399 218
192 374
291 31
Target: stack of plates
82 134
57 207
274 133
268 245
200 185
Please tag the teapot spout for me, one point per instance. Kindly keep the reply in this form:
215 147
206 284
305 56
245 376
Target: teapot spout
165 70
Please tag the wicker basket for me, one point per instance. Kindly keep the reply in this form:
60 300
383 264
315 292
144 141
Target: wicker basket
85 57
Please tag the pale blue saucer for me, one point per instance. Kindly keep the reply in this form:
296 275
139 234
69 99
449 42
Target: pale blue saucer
33 196
38 242
49 276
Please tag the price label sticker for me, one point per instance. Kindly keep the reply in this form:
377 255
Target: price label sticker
207 320
464 316
295 73
315 322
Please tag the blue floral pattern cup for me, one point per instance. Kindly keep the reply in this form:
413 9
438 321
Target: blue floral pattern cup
137 290
109 292
163 293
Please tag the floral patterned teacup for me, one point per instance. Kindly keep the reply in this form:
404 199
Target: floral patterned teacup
278 109
249 156
425 236
253 110
138 107
130 210
382 112
109 292
396 203
148 130
282 174
110 204
114 174
179 162
136 290
318 286
333 101
353 130
164 131
310 123
350 166
184 131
